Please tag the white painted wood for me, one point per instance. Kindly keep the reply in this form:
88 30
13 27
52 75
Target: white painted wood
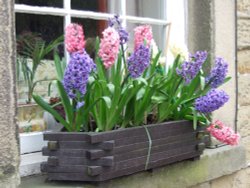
31 142
67 21
30 164
19 8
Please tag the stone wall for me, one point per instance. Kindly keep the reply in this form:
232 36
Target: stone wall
243 11
9 154
240 179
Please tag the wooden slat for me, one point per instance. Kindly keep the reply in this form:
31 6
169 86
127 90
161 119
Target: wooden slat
155 130
157 149
58 161
109 175
66 136
155 164
124 151
125 160
138 139
120 133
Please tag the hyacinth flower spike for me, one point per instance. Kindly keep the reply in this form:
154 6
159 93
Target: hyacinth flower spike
223 133
74 38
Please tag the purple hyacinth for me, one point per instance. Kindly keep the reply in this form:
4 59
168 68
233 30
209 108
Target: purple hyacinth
123 35
138 61
112 21
116 22
212 101
189 69
218 73
77 73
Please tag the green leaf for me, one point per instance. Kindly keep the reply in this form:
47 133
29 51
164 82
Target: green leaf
140 94
58 66
111 88
227 79
68 108
53 112
195 119
159 99
202 82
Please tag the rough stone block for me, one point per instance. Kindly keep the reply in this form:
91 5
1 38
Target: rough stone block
246 143
223 182
243 6
244 61
244 121
244 90
239 179
9 155
243 33
203 185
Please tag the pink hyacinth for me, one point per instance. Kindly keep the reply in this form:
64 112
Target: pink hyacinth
223 133
74 38
109 47
143 33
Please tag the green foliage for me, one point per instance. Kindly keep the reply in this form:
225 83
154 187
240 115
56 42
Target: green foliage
34 48
115 100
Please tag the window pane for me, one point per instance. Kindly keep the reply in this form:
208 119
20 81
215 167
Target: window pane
146 8
106 6
34 33
92 28
50 3
47 27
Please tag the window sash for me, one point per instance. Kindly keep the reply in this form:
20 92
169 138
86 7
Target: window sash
68 13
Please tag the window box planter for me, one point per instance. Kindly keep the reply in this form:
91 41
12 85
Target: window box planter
106 155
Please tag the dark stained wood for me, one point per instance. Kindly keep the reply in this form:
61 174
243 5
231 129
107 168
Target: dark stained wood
121 153
168 128
94 170
122 172
66 136
93 137
125 163
106 155
53 145
62 160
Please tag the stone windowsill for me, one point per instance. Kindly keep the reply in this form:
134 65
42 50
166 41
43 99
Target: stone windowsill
213 164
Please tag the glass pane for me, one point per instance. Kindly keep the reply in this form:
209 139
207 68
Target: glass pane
34 33
92 28
50 3
107 6
146 8
48 28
